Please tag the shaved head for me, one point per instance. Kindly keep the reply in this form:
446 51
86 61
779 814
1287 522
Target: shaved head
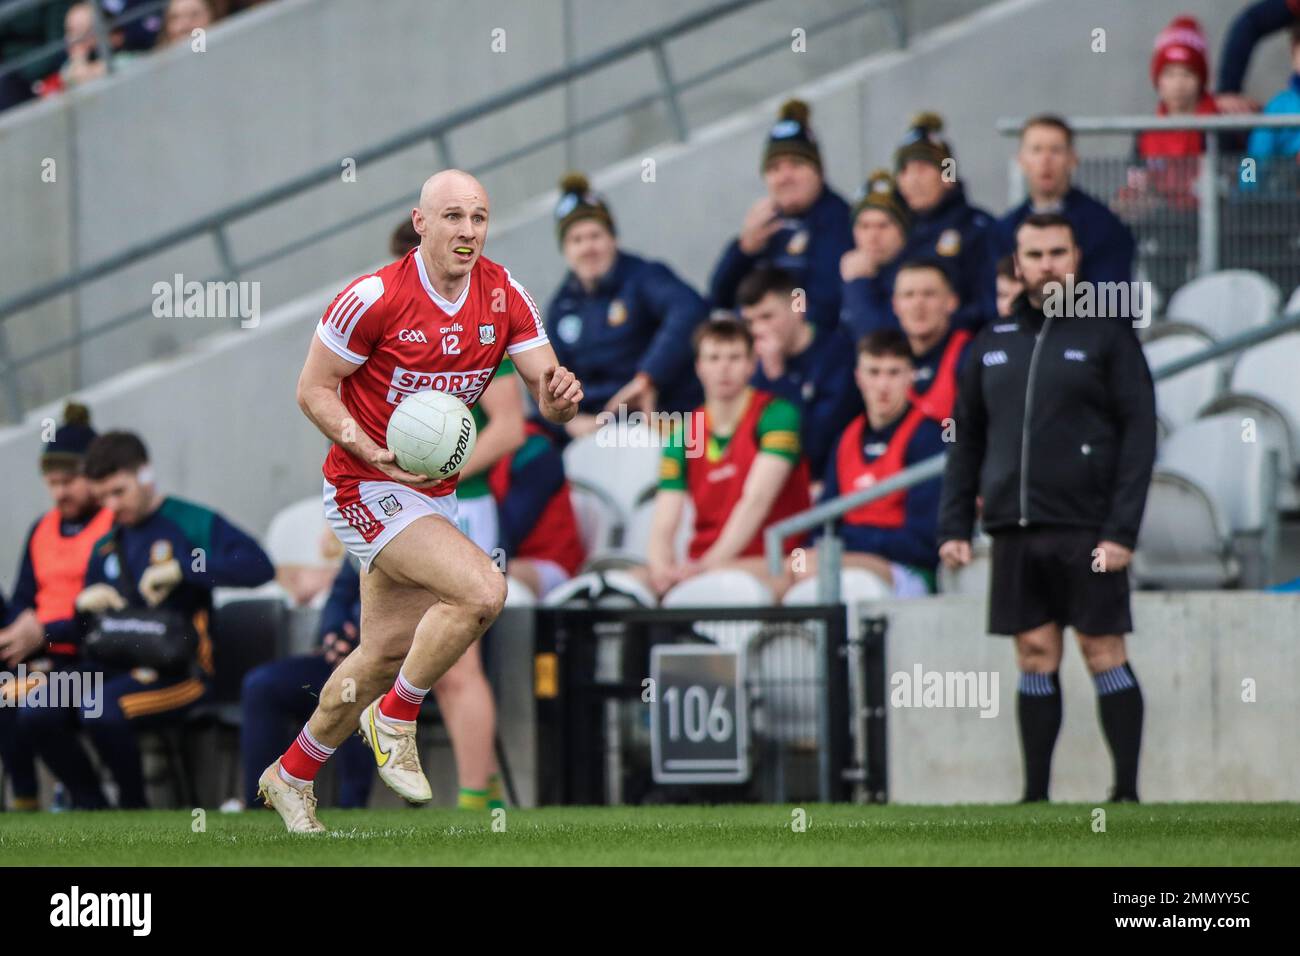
448 184
452 220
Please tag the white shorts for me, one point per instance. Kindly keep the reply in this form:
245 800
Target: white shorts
549 575
477 520
907 582
366 515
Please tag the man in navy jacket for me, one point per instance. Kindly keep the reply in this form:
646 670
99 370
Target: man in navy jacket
1048 160
808 366
945 226
801 225
621 322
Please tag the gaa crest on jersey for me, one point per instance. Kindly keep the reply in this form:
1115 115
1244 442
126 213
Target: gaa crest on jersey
160 552
112 567
949 243
798 243
390 504
487 334
617 313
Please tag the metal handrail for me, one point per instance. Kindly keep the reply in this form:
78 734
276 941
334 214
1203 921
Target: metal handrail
218 222
825 514
1009 126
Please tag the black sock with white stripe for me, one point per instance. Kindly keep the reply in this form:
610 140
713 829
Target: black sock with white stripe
1119 703
1038 711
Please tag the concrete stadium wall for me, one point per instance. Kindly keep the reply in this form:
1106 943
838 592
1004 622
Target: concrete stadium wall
1191 653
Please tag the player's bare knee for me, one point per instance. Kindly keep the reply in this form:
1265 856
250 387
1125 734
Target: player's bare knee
485 599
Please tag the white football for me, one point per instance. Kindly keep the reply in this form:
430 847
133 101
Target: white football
432 433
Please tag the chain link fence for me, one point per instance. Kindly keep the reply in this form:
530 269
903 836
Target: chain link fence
1258 214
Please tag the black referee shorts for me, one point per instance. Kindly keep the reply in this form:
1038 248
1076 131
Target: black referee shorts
1045 574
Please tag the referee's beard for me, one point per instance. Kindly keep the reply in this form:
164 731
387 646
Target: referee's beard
1037 292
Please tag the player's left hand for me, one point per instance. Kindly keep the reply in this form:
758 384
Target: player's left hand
158 581
1114 557
560 393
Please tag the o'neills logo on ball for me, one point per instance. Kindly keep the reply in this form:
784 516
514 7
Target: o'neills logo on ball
454 461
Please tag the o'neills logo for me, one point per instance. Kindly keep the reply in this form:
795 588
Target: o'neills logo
453 462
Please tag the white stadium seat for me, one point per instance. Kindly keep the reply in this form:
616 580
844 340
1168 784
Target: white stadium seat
1225 303
1271 371
1211 453
600 522
726 588
519 594
637 539
1180 398
856 584
601 589
1271 429
294 535
1184 542
622 461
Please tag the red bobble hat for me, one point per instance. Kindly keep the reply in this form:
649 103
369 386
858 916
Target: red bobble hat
1182 42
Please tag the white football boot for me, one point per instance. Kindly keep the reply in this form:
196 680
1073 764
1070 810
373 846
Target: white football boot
396 755
297 808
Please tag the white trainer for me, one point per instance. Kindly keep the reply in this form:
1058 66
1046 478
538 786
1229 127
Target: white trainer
396 755
297 808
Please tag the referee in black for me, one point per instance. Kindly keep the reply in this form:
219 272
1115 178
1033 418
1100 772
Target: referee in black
1056 432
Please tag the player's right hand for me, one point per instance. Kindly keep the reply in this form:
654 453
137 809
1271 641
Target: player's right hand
386 461
955 553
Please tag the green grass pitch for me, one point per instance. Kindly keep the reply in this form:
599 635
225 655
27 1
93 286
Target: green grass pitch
1056 834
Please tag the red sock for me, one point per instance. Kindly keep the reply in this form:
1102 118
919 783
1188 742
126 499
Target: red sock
304 758
403 701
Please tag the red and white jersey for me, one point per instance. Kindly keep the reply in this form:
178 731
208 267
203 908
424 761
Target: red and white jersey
407 338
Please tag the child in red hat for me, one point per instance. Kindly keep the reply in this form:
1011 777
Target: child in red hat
1180 72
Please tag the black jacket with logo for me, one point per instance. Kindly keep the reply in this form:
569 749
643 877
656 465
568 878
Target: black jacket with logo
1055 425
